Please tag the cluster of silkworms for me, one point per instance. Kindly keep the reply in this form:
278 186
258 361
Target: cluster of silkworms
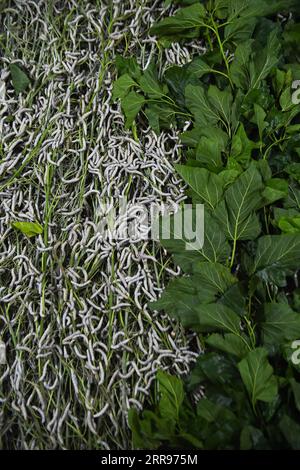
81 345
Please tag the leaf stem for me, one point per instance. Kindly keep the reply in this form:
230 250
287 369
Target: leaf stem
233 253
273 145
215 29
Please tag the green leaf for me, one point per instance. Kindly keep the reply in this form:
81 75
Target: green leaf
242 16
252 438
181 297
242 146
229 343
177 79
239 29
142 432
294 170
260 115
213 367
199 105
280 213
292 33
122 86
149 83
232 164
131 105
185 23
213 141
289 224
239 68
293 129
265 60
216 317
264 168
128 65
207 185
30 229
285 100
184 295
152 114
275 189
279 81
281 324
215 247
296 392
276 252
219 425
222 103
213 275
171 395
291 431
236 212
293 200
235 298
160 115
210 411
150 430
257 376
19 78
192 441
260 96
229 177
201 316
198 68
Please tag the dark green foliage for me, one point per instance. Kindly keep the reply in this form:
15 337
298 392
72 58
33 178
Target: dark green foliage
239 292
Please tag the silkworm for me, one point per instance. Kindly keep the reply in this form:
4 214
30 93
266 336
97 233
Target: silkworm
75 300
